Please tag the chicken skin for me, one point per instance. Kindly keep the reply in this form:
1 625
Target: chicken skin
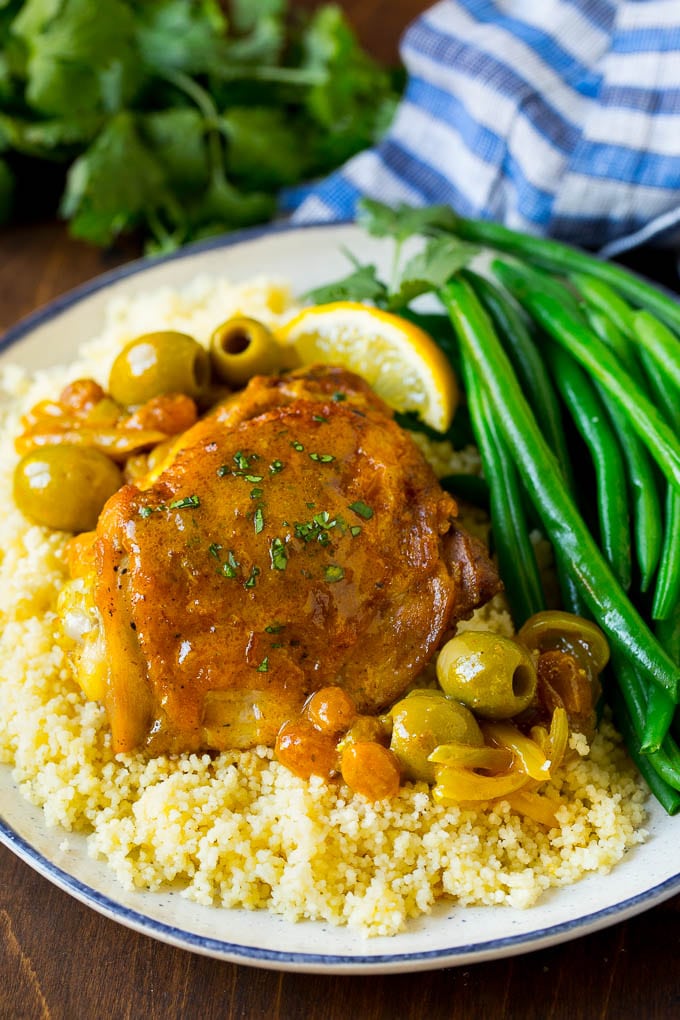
296 538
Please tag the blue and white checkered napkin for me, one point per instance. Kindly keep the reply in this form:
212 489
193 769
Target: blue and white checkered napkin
557 117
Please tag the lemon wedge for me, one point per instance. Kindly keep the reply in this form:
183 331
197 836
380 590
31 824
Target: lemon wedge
399 360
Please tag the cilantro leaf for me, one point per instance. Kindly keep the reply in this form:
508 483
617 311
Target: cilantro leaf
351 93
177 119
360 285
402 221
174 35
114 184
245 14
50 138
223 206
260 25
430 269
11 50
81 56
264 146
177 139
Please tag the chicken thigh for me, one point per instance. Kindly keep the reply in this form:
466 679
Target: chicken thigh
296 538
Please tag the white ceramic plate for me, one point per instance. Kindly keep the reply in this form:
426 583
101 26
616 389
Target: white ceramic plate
649 874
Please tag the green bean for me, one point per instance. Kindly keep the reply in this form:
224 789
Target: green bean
561 290
668 633
667 589
613 337
646 515
591 421
668 581
662 392
589 350
659 716
560 258
647 520
660 708
516 557
545 485
598 294
668 797
569 589
662 345
665 759
528 364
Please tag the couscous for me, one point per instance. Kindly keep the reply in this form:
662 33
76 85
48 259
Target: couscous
238 829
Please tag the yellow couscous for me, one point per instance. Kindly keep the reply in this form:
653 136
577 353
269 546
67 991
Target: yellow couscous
238 829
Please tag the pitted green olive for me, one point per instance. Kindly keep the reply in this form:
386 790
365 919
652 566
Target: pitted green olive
65 487
554 630
241 348
159 363
491 674
420 722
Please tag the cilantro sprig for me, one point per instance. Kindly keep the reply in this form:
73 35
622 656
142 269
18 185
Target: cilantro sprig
440 257
174 118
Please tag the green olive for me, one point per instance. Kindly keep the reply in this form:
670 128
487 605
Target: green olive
241 348
65 487
491 674
554 630
159 363
420 722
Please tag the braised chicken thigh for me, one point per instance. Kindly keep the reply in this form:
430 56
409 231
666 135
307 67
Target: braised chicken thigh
295 538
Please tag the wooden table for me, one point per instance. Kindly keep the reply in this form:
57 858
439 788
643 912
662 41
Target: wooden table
60 960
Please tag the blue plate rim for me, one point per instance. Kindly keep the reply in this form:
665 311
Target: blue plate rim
234 952
102 904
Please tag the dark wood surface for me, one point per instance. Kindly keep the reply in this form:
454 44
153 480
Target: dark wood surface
60 960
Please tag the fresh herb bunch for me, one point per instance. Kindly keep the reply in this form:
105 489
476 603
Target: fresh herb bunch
571 370
176 118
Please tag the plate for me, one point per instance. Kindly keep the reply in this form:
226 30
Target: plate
451 936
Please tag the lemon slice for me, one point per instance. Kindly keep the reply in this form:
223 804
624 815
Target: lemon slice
399 360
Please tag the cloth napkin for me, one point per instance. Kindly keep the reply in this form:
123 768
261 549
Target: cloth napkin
556 117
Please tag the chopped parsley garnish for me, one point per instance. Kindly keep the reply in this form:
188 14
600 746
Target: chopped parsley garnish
322 458
214 549
256 493
264 665
310 506
297 445
361 509
318 527
339 397
355 530
252 580
185 503
230 567
243 460
333 573
258 520
276 466
274 628
243 463
319 417
278 554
